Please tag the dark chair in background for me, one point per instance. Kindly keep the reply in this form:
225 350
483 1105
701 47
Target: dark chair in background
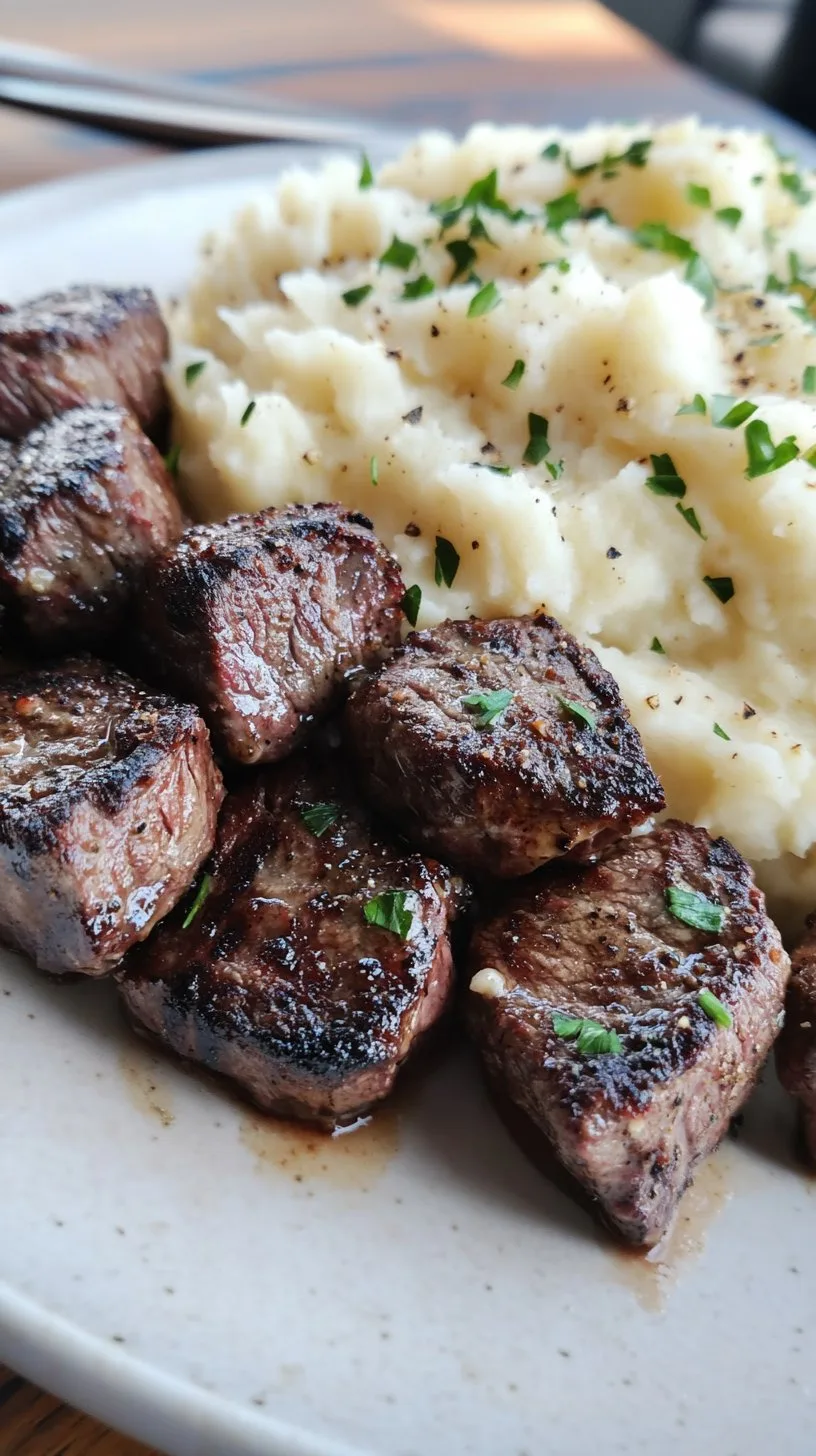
764 47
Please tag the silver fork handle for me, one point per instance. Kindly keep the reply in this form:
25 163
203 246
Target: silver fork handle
177 113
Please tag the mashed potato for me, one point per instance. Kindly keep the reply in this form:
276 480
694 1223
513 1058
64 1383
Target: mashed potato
503 373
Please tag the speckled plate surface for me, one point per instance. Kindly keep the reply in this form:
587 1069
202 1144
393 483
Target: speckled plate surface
215 1283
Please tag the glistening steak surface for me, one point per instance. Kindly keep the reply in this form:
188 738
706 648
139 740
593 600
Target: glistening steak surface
501 797
259 619
796 1048
85 500
85 344
599 943
108 804
279 981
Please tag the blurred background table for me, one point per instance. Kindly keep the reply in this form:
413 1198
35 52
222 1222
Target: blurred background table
412 63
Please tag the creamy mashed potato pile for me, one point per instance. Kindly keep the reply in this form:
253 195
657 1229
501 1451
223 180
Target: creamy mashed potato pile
575 372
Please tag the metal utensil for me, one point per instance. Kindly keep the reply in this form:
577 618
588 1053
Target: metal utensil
176 113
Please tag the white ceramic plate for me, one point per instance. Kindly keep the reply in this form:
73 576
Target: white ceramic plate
219 1285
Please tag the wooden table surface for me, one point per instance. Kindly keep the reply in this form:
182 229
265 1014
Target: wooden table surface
409 62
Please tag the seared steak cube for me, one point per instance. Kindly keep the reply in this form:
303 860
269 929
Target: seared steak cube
260 618
796 1048
311 959
108 802
629 1036
85 344
85 500
500 744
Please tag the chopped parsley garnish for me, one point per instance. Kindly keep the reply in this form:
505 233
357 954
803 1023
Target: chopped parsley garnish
366 174
731 216
487 707
763 455
484 301
478 232
538 446
694 909
561 210
699 196
514 378
556 468
656 236
810 455
713 1008
634 156
463 255
768 339
665 480
700 276
481 193
398 254
728 413
721 586
411 602
690 517
248 413
721 733
200 896
354 296
657 646
591 1039
446 562
388 911
319 817
809 379
418 287
561 265
578 712
496 469
192 371
696 407
172 459
374 470
792 183
551 152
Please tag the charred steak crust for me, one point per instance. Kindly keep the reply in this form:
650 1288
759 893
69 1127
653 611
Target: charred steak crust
500 799
598 942
796 1048
279 982
85 500
108 802
85 344
259 619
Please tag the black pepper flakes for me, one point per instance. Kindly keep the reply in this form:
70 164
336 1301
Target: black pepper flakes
613 553
413 416
748 711
412 529
434 332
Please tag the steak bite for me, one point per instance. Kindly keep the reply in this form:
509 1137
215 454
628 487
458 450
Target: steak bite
82 345
500 744
108 803
259 619
313 956
85 500
796 1048
627 1035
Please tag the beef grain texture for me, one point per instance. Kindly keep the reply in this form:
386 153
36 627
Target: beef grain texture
108 803
85 500
260 618
83 345
501 799
796 1048
279 982
598 942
